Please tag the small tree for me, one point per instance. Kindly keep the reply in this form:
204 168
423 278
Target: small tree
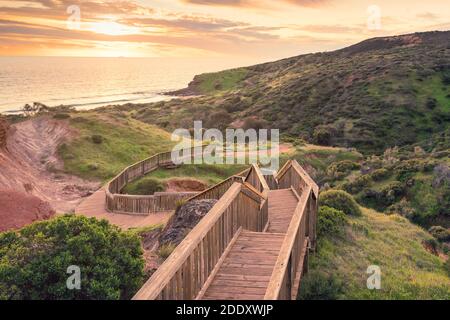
34 261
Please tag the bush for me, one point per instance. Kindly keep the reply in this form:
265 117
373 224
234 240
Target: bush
330 222
392 192
380 174
440 233
253 123
61 116
146 186
340 169
320 286
323 135
97 139
34 260
358 184
219 120
340 200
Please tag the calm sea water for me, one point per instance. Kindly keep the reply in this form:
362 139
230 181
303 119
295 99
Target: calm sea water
93 82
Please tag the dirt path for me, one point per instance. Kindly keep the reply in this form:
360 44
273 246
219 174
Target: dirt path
30 164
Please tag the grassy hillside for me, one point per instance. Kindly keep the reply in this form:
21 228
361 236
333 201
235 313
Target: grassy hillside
106 143
408 271
377 94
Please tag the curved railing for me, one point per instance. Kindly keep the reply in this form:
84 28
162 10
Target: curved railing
144 205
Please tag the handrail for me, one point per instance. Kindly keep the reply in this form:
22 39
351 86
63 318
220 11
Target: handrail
300 236
218 190
287 266
187 269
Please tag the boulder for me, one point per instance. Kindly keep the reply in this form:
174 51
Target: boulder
184 220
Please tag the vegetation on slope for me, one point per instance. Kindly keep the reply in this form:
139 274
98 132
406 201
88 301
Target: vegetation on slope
107 142
34 261
374 95
408 271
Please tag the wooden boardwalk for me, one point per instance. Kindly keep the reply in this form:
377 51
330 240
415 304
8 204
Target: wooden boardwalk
252 245
247 267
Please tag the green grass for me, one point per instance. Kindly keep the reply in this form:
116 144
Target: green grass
209 174
408 271
220 81
124 142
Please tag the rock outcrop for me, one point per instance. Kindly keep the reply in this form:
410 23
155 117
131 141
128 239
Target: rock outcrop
184 220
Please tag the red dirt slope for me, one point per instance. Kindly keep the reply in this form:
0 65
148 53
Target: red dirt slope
19 209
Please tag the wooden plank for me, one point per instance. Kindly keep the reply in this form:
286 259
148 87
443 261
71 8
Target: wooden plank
217 266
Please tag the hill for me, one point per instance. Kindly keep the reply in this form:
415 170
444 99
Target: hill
408 270
376 94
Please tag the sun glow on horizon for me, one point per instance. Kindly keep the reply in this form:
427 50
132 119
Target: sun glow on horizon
260 30
112 28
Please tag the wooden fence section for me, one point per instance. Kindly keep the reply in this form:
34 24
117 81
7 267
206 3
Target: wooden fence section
144 205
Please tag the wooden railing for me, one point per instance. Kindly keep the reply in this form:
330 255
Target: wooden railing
191 265
301 234
144 205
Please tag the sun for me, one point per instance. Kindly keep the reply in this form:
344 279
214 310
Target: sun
112 28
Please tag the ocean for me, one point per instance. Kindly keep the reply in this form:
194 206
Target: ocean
86 83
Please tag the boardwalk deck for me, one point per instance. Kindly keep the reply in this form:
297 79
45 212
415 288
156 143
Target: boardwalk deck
282 204
245 272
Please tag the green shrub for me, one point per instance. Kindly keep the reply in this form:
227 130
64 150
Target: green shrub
440 233
358 184
392 192
321 286
340 200
406 169
61 116
34 261
146 186
97 139
323 135
380 174
340 169
330 222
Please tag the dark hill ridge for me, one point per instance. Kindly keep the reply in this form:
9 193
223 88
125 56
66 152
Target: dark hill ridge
376 94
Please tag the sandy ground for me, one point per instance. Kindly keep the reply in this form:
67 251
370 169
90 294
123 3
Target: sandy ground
94 206
29 164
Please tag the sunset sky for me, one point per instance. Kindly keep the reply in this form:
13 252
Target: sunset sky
262 29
